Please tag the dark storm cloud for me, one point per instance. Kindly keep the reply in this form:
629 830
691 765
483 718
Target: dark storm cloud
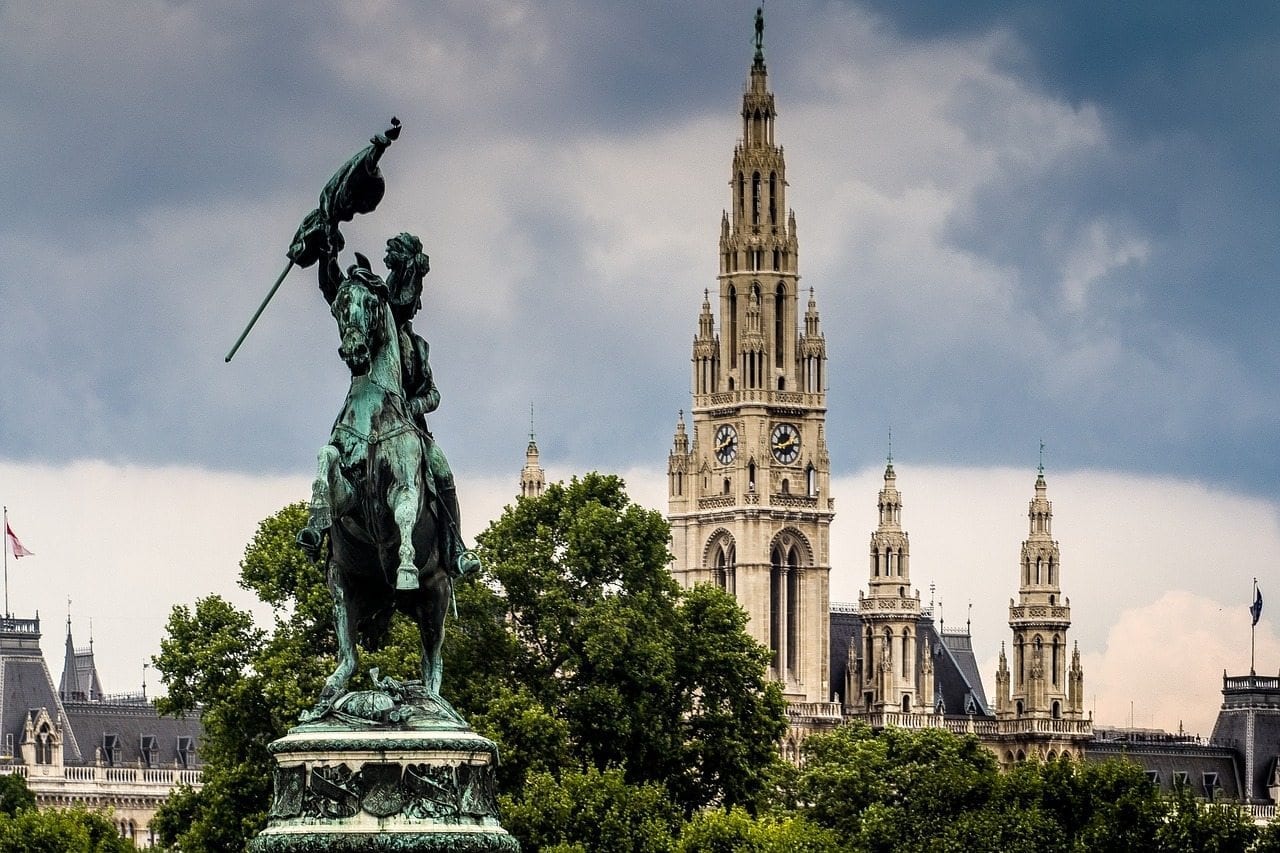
1187 96
565 164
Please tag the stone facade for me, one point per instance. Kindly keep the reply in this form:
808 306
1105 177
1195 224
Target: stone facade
749 491
1040 702
77 746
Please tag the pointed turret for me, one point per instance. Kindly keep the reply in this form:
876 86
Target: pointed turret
1040 686
890 613
80 682
533 480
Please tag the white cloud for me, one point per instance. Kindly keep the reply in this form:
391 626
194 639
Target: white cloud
1159 572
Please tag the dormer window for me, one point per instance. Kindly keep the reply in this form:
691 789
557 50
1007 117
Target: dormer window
186 751
150 748
111 750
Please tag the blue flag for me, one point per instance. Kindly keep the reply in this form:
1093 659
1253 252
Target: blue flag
1256 607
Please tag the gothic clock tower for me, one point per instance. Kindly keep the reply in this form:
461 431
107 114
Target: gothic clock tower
750 505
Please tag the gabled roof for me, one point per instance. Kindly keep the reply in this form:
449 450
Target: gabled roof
956 679
26 685
957 655
80 681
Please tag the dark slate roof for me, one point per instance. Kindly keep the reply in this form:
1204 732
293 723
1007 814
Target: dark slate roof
844 626
129 722
1247 697
957 650
1171 759
79 673
26 685
956 679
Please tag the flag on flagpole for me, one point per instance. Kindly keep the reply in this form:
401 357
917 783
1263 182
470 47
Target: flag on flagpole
1256 607
19 550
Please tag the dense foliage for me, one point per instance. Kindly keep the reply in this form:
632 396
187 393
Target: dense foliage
899 791
630 716
575 651
23 829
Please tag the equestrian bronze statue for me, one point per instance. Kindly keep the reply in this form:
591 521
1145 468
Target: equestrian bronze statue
384 509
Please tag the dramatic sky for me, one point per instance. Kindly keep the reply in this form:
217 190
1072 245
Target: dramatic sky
1023 221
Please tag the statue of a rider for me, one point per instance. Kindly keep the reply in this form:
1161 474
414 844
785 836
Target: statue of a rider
357 187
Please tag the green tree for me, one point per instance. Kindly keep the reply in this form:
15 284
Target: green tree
591 810
15 796
1193 826
250 684
664 685
736 831
575 650
74 830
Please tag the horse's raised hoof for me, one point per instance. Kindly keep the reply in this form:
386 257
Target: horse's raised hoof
407 579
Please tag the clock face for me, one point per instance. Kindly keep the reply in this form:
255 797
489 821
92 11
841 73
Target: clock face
726 444
785 443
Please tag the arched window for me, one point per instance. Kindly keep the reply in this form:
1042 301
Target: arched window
733 321
793 609
906 703
726 485
773 199
1038 563
742 193
906 648
867 658
755 198
751 477
786 486
1056 711
811 481
1057 656
779 310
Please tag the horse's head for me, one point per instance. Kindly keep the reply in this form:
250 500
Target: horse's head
360 308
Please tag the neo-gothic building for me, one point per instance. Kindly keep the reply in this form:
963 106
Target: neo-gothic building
750 505
77 746
750 511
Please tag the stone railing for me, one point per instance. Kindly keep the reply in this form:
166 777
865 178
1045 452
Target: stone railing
796 501
1039 611
167 778
715 502
814 710
898 720
1250 682
1041 726
762 395
970 726
895 604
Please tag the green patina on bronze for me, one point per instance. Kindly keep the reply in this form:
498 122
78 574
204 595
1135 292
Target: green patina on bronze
384 509
384 519
433 842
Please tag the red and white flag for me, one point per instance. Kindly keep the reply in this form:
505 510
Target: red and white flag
19 550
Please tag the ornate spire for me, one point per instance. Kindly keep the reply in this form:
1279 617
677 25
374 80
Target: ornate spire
533 480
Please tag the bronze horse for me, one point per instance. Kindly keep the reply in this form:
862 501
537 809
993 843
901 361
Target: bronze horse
384 544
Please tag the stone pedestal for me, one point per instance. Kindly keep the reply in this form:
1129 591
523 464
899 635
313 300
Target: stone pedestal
383 789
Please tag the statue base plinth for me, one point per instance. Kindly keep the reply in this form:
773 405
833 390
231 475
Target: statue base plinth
383 789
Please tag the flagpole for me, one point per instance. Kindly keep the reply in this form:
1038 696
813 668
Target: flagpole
6 562
1253 629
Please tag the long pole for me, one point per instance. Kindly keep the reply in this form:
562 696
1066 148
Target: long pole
258 313
6 562
1253 626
